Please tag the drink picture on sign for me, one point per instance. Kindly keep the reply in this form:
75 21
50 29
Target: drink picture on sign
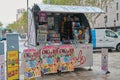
49 56
83 55
80 59
66 54
32 68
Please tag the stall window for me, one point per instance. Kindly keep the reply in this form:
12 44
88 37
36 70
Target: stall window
106 8
111 34
117 16
117 6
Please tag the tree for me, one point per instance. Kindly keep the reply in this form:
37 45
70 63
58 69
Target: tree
98 3
1 24
91 17
20 25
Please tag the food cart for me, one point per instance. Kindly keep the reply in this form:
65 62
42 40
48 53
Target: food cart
61 25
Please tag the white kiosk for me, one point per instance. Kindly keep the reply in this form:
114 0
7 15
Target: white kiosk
58 25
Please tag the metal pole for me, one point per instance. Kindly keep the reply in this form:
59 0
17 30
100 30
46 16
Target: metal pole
16 21
27 25
27 19
27 12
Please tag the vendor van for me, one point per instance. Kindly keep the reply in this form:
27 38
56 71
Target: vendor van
105 38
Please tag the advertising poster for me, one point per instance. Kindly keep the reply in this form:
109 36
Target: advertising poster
83 55
42 16
49 59
66 54
2 68
104 59
32 68
12 65
50 22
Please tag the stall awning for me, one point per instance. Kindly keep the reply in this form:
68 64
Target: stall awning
69 9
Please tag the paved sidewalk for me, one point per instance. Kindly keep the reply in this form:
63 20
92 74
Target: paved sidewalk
95 74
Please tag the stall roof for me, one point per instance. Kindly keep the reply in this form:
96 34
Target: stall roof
69 9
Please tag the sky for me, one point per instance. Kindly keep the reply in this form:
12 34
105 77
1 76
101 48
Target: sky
8 9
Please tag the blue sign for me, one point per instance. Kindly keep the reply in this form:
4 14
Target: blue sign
1 48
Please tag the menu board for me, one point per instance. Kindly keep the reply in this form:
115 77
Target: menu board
66 55
32 68
49 59
12 65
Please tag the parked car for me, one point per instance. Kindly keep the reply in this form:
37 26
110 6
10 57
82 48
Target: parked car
118 33
105 38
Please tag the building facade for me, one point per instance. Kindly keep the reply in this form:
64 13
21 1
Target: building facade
111 18
19 13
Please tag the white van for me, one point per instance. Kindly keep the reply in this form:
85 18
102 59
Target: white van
105 38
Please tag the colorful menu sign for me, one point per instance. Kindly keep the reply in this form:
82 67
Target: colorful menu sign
2 68
12 65
66 55
49 59
32 68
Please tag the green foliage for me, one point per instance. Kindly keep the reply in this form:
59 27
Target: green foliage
79 2
61 2
1 24
17 26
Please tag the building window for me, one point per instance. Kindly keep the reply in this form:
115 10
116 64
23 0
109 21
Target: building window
117 16
106 8
117 6
106 18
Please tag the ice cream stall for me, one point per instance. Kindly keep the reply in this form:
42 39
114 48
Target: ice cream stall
62 33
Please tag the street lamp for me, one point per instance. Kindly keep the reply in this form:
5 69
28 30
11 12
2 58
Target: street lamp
27 19
27 11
